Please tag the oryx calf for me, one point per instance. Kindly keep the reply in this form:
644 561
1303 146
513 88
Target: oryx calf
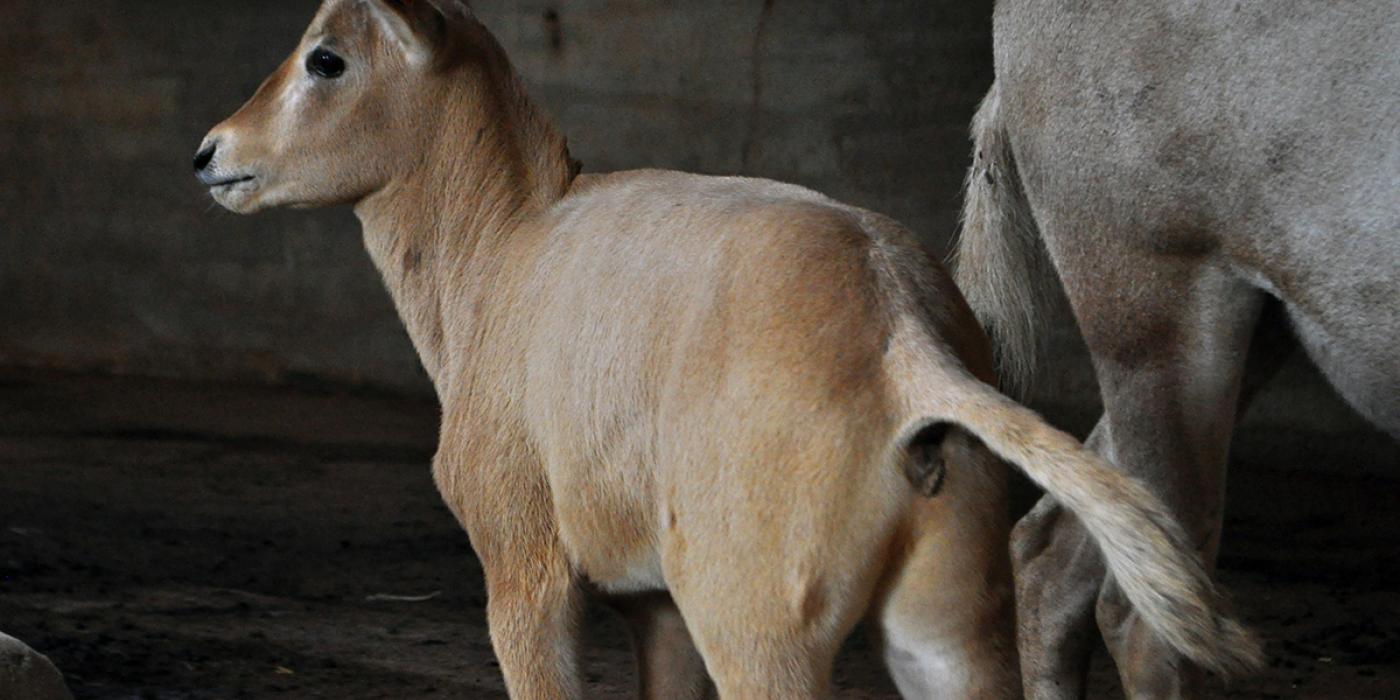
710 392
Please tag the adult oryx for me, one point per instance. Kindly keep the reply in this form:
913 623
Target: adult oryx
1176 164
708 396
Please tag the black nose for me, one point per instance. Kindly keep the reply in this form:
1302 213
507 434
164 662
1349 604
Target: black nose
202 159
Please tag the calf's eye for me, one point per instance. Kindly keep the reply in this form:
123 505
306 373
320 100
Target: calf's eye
324 63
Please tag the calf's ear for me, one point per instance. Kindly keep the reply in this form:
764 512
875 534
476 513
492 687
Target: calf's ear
450 7
420 27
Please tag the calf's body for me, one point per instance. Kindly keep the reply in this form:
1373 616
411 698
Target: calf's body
751 413
668 382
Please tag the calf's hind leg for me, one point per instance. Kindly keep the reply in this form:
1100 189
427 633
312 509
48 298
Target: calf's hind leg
668 664
771 627
945 614
756 644
770 590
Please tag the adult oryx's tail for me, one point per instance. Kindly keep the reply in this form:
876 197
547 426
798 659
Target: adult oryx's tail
1147 554
1000 263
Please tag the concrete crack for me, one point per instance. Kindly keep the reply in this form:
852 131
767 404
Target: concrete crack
750 143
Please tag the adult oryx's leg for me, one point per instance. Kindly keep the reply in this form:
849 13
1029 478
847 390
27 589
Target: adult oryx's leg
1168 335
1058 573
669 665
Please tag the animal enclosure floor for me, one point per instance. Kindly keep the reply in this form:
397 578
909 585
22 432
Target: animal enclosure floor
169 540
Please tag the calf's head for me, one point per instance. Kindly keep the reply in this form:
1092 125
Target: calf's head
348 112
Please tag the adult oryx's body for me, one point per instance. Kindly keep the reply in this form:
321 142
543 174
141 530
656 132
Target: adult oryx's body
1178 163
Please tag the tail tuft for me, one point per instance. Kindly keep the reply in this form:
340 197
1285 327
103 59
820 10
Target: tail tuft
1157 569
1147 554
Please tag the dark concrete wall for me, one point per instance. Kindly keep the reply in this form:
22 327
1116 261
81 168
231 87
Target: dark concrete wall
111 258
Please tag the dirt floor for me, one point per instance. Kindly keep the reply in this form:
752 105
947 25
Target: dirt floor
168 540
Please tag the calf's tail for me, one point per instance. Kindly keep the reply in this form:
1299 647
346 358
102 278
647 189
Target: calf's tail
1146 551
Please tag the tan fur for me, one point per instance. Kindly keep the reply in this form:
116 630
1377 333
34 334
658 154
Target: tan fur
697 392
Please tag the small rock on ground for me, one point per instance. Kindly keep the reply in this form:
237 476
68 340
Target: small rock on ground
26 674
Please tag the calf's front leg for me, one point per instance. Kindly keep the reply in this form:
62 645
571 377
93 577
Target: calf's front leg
533 614
533 596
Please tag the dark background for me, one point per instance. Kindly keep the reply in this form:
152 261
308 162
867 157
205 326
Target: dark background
115 260
276 469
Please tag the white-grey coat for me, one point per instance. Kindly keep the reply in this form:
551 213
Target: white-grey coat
1175 165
